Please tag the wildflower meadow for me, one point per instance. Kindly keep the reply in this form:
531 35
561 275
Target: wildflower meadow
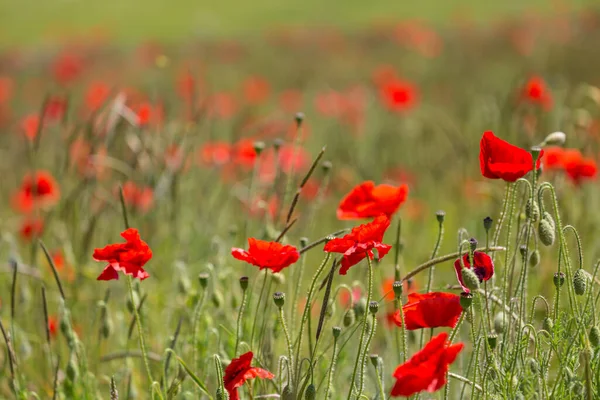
402 211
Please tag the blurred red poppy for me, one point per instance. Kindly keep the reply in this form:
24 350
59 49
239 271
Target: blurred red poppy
215 153
426 370
398 95
6 89
430 310
367 201
499 159
141 198
360 242
31 228
129 257
290 100
269 255
30 125
56 107
579 168
52 326
536 92
38 191
239 371
482 265
67 67
96 95
256 90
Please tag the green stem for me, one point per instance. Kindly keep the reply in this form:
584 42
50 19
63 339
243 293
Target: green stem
331 368
364 330
365 355
239 322
288 342
140 330
262 292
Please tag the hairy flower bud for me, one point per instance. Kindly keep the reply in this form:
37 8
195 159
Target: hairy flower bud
546 232
532 210
470 279
534 258
287 393
499 322
548 324
222 394
349 317
594 336
580 281
533 365
311 392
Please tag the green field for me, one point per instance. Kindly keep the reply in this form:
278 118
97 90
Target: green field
30 22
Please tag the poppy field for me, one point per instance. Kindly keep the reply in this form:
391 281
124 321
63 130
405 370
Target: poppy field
403 211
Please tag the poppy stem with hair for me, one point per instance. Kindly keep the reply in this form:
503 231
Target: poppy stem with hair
244 286
132 296
364 329
336 334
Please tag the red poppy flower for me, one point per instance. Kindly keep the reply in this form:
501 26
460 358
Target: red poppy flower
67 68
56 107
244 154
140 198
499 159
129 257
427 369
239 371
398 95
215 153
430 310
483 266
269 255
536 91
578 167
52 325
31 228
553 158
96 95
256 90
360 242
30 125
367 201
39 191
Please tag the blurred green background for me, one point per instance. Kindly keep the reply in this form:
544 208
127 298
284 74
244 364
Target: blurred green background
34 22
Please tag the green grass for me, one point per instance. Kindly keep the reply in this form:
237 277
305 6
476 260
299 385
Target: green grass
33 22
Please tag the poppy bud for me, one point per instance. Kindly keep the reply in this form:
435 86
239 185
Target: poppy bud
546 232
470 279
136 300
548 217
548 324
374 360
523 250
222 394
440 216
277 143
360 307
535 152
397 286
258 147
72 369
487 223
499 322
278 278
349 317
244 282
303 242
330 310
299 117
217 298
326 166
373 307
279 299
555 139
336 330
533 365
594 336
473 244
580 282
287 393
559 279
532 210
184 285
203 279
466 299
534 258
492 340
311 392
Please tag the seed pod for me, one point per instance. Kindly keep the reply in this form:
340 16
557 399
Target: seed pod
532 210
487 223
279 299
558 279
466 299
548 324
440 216
373 307
470 279
533 365
534 258
546 232
374 358
499 322
311 392
594 336
349 317
336 330
397 286
580 282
